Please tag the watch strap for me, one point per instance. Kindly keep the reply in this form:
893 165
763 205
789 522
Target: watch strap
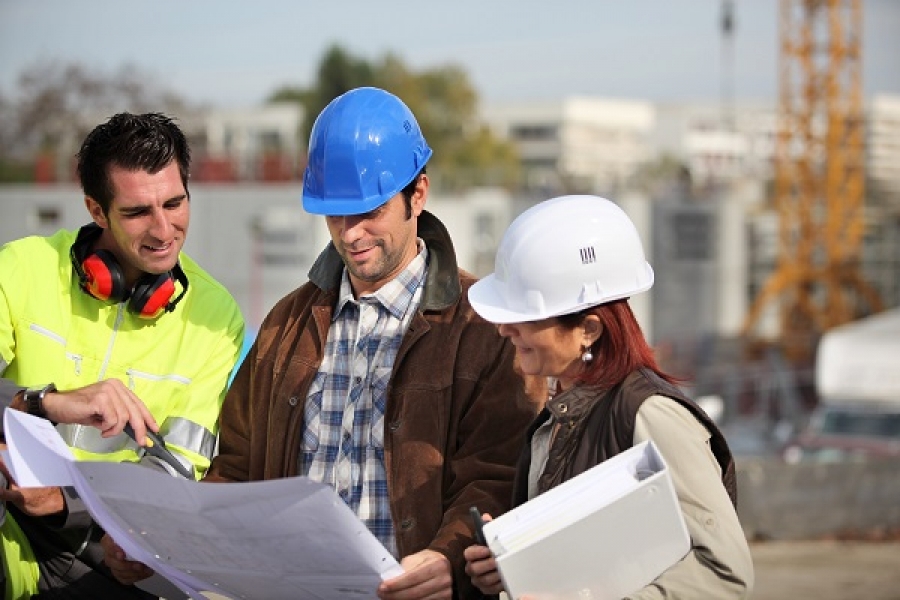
34 400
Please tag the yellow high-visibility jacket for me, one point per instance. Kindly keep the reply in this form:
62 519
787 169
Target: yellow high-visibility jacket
178 364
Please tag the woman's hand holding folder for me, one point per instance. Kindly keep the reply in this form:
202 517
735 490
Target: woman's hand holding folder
480 563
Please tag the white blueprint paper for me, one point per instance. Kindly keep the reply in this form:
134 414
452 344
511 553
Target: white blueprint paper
284 538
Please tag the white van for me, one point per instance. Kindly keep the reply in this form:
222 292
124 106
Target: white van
858 386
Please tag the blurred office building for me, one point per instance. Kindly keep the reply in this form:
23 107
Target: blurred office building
883 149
578 143
711 233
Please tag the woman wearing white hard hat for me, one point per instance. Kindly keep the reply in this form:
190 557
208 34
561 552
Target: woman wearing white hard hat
563 274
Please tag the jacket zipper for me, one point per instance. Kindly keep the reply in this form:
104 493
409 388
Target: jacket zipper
120 311
47 333
120 314
134 374
75 358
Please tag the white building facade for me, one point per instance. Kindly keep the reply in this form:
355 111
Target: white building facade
883 147
577 144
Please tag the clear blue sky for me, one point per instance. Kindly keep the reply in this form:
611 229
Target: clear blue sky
235 52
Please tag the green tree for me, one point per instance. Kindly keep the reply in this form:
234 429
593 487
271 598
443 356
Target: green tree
57 104
466 154
337 73
661 175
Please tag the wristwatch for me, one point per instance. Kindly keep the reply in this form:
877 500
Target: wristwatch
34 400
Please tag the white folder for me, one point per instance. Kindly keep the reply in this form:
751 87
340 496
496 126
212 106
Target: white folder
601 535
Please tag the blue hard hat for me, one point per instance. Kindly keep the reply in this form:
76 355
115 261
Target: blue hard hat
365 147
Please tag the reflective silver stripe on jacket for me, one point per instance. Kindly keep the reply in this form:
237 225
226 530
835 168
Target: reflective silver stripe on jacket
8 389
90 440
177 431
189 435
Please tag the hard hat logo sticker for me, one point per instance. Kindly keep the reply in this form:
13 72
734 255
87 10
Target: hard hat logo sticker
588 255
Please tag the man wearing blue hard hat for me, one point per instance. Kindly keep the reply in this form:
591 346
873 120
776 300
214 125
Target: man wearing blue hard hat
376 376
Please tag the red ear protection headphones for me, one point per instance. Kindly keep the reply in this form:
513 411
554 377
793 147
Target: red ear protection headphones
100 275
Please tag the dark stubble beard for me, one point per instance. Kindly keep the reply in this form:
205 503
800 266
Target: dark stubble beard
374 270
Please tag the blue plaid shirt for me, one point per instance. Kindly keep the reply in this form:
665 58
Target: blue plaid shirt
343 439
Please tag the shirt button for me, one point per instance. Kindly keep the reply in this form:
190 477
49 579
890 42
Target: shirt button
293 401
357 380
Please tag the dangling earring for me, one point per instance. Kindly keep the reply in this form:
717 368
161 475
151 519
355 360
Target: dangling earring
587 356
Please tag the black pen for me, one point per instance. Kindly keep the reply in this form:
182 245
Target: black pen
156 446
479 526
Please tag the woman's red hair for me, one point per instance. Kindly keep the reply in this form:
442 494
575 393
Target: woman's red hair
620 349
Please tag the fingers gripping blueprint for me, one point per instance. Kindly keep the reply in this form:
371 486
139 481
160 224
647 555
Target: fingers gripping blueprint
285 538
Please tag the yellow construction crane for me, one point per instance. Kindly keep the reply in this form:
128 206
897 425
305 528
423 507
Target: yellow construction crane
819 180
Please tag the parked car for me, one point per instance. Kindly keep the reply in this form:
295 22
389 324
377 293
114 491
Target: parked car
838 433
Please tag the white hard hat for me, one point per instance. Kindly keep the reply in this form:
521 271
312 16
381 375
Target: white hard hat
561 256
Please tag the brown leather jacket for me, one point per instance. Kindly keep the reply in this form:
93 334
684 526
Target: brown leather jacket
456 411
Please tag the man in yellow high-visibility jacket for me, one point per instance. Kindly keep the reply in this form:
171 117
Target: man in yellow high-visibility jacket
109 325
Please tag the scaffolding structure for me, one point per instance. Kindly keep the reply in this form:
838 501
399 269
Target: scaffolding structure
819 184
